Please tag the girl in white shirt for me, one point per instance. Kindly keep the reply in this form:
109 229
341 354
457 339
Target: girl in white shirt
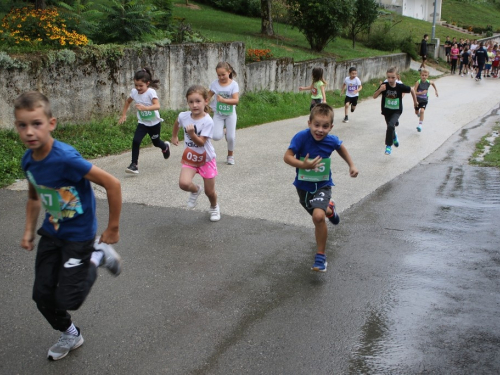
226 92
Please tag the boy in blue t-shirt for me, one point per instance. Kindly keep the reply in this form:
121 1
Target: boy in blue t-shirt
68 254
309 152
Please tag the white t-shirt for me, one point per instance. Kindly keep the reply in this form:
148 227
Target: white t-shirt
351 85
226 92
204 127
148 118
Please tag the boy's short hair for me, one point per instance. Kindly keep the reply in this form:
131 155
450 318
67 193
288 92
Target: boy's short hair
321 109
425 71
426 35
392 69
31 100
352 69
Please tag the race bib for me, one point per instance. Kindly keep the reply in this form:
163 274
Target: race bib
193 159
224 109
320 173
352 88
392 103
147 115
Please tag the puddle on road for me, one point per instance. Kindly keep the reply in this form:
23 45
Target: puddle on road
449 289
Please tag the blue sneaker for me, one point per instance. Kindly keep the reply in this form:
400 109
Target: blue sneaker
388 150
396 140
419 128
334 218
320 263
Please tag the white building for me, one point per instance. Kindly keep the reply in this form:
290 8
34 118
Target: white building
419 9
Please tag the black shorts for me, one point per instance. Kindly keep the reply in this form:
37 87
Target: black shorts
314 102
351 99
319 199
424 57
422 105
447 51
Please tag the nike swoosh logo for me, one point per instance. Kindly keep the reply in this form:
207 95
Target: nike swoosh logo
72 262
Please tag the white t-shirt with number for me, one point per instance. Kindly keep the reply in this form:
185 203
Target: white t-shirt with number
204 127
226 92
148 118
351 85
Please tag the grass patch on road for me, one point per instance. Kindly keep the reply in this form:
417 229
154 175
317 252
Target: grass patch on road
487 152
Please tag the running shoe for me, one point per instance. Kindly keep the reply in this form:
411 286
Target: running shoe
111 259
214 213
334 217
132 168
320 263
230 160
396 140
388 150
166 152
193 197
66 343
419 128
346 119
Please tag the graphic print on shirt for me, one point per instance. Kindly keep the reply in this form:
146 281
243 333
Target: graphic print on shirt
192 156
62 203
391 99
223 108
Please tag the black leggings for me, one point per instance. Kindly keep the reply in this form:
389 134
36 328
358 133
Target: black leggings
140 133
64 276
453 65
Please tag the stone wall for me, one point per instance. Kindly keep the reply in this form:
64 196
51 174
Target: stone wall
91 89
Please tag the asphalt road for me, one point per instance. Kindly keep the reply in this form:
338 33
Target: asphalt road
412 284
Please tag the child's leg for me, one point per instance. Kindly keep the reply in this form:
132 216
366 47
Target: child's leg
422 110
209 184
390 120
219 122
231 133
154 134
321 230
140 133
186 180
64 276
346 107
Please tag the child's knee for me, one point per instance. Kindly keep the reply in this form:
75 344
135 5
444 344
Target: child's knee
318 216
184 185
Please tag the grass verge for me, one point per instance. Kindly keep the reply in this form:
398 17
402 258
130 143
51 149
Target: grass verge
487 153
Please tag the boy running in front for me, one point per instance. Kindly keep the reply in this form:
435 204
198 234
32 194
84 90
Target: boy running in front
309 152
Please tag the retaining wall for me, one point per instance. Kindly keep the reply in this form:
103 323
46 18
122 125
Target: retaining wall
91 89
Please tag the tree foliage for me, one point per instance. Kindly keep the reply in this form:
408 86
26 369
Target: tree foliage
362 16
321 21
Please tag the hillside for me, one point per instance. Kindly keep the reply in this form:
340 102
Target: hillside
475 14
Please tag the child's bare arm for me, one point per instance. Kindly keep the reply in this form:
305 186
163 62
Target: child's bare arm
381 89
198 139
112 185
175 133
124 111
435 89
33 207
343 88
323 93
307 163
233 100
344 154
153 107
304 88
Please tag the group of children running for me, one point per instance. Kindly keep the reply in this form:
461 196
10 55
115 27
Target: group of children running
59 178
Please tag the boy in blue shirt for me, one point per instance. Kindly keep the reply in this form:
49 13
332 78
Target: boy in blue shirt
68 253
309 152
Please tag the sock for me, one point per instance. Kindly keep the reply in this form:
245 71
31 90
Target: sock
420 123
72 330
96 257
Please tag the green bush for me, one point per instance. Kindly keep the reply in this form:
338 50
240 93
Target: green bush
249 8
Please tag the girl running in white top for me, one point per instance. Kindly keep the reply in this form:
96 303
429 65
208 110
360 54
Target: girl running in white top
226 92
199 154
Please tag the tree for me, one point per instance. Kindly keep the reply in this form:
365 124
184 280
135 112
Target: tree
321 21
267 19
363 14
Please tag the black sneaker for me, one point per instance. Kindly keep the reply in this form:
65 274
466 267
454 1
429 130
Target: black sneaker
132 168
346 119
166 152
352 109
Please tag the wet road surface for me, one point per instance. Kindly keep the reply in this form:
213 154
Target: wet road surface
412 286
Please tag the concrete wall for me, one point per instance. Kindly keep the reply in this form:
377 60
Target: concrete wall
89 89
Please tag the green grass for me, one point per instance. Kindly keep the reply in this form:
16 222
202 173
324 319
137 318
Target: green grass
492 156
476 14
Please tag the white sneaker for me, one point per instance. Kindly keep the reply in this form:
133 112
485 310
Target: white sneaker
230 160
214 213
193 197
64 345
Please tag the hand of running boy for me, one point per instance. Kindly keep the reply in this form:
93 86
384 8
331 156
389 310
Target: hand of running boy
28 242
110 236
353 172
311 163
